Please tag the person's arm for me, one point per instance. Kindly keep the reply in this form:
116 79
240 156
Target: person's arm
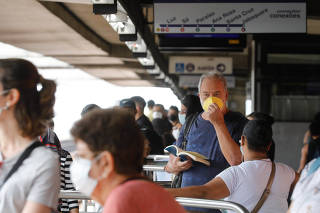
229 148
303 159
176 166
213 190
74 210
32 207
289 210
306 137
296 179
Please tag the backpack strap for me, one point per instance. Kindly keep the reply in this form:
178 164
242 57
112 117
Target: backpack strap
190 120
266 191
26 153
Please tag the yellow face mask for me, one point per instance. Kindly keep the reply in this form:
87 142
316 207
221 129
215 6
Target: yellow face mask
212 100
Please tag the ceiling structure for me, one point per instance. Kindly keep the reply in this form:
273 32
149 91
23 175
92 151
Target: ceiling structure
68 30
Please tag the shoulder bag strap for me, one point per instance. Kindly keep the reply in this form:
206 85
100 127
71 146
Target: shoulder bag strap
19 162
267 190
187 128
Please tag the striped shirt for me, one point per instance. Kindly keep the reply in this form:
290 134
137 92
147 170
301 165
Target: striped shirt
65 161
52 141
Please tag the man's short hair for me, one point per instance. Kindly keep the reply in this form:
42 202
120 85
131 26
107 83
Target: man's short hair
151 103
89 108
258 134
314 128
160 106
114 130
214 75
139 101
174 108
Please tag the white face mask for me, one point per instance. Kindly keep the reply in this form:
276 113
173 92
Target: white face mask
182 118
157 115
80 169
7 104
3 108
241 150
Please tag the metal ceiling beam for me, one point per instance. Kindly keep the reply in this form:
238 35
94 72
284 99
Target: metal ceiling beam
134 11
130 65
68 17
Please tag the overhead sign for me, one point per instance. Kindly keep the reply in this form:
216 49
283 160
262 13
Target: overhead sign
196 65
192 81
230 16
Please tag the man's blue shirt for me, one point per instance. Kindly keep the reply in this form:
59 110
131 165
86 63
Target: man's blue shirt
202 138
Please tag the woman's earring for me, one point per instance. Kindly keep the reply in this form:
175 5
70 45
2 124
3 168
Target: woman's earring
7 105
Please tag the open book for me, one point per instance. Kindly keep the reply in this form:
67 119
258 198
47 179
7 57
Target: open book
173 149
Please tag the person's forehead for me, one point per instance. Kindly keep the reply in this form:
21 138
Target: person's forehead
212 84
83 149
157 108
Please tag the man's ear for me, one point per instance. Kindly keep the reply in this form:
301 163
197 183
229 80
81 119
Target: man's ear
12 97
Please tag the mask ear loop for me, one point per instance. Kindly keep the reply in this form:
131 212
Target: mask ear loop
97 158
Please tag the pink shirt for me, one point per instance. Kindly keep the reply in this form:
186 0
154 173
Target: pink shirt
140 196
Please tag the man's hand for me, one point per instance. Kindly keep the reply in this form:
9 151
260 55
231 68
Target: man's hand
176 166
214 115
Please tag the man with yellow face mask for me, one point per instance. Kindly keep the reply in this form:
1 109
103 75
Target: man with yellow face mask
214 133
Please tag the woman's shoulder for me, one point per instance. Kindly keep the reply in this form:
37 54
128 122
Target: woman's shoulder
44 157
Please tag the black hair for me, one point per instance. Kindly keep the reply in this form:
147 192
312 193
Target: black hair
317 116
161 106
139 101
315 128
151 103
174 108
258 134
192 103
262 116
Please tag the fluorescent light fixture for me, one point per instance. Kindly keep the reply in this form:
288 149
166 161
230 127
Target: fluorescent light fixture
161 76
154 71
119 16
147 61
122 24
104 6
123 27
138 47
103 1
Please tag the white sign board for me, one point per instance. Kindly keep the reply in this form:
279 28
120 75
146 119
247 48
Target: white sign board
192 81
282 16
196 65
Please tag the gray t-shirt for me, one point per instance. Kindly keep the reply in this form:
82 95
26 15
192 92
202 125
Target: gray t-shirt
36 180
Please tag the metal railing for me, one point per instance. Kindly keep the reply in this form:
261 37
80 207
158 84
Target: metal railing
153 168
211 204
190 202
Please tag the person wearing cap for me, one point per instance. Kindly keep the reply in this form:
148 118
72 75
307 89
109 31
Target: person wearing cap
89 108
245 183
214 134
